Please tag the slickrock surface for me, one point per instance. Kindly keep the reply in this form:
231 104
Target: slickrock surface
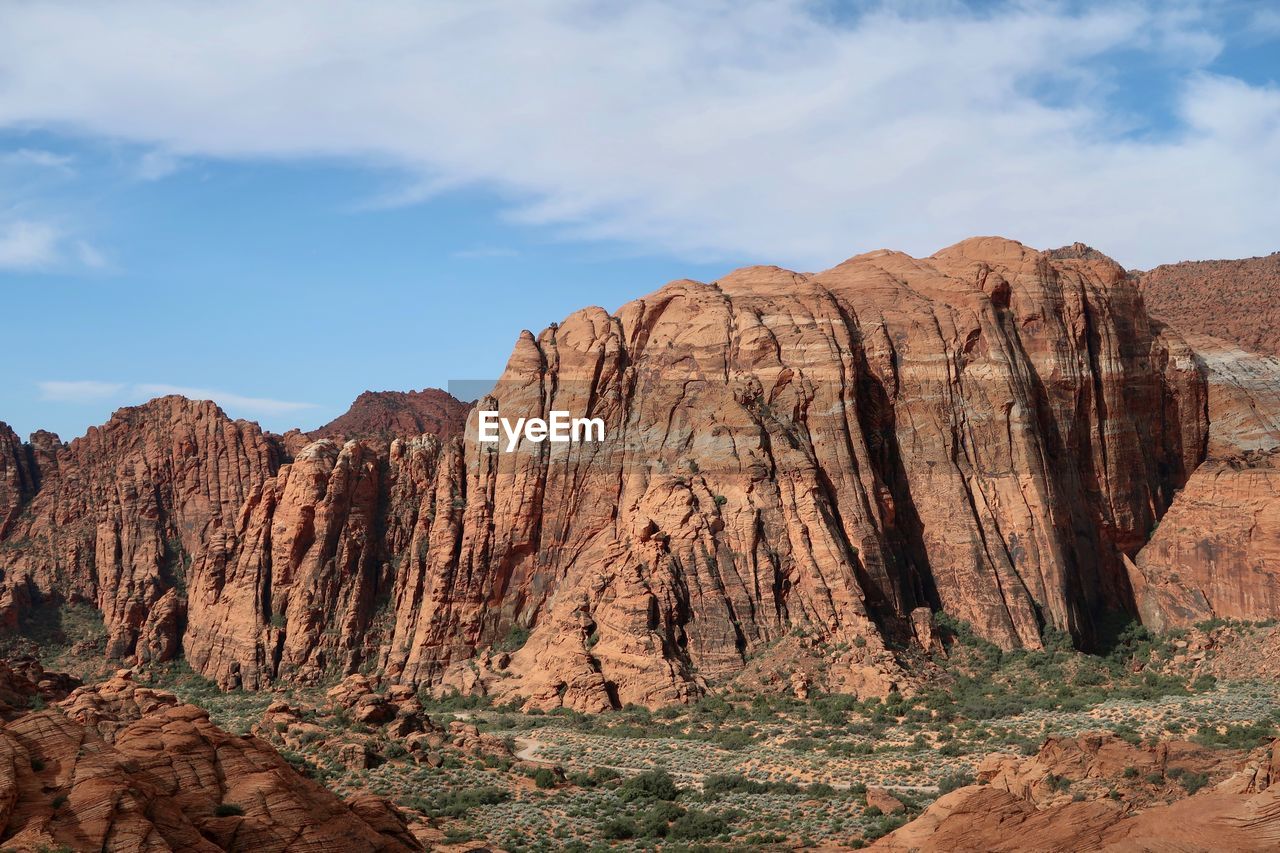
399 414
120 767
1032 804
1238 301
1217 551
793 461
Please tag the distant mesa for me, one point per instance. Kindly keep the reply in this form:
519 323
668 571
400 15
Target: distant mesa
399 414
1237 301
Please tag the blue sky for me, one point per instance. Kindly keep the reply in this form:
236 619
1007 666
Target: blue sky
281 205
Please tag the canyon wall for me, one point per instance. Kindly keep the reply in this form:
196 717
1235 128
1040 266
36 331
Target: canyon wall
813 458
1216 554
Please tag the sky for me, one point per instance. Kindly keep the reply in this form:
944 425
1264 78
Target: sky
278 205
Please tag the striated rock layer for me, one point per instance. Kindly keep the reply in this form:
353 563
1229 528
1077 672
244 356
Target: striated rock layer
808 458
121 767
1074 796
989 430
1217 551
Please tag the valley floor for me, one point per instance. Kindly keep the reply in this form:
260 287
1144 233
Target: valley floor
743 769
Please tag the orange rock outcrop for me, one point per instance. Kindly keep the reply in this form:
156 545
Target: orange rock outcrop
993 431
121 767
1060 801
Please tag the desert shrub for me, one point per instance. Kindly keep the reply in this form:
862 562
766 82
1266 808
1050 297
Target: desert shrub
951 781
651 785
696 825
1193 782
1240 736
619 829
514 640
456 802
655 821
228 810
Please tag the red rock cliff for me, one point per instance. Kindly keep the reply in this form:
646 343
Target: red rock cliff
992 430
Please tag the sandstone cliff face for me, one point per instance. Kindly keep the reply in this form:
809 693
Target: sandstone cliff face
1217 552
18 478
388 415
993 431
989 430
1232 300
300 585
120 767
120 511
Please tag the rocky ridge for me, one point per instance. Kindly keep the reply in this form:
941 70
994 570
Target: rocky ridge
992 431
398 414
1232 300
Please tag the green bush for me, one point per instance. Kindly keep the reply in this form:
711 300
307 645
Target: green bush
618 829
650 785
952 781
1193 782
228 810
696 825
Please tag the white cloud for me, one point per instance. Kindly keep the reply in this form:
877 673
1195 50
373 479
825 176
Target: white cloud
237 402
25 157
758 129
28 245
78 391
92 390
156 164
89 256
31 246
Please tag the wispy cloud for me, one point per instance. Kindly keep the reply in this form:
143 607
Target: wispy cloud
34 246
79 390
93 391
237 402
760 129
39 158
156 164
482 252
26 245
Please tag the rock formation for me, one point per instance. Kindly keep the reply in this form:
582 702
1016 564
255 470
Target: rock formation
792 461
989 430
399 414
121 767
1060 800
1237 301
1217 551
120 511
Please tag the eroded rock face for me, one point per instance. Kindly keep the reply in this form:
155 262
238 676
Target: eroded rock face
18 477
1217 551
793 461
989 430
1059 800
122 767
301 586
120 511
